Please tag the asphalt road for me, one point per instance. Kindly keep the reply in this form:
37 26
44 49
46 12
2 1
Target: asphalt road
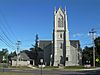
54 72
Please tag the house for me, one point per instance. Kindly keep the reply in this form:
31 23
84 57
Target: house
21 60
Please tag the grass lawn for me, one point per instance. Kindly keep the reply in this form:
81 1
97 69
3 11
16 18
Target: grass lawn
67 68
12 73
77 67
19 67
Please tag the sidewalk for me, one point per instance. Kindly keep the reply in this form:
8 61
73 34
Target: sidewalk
97 68
88 69
62 69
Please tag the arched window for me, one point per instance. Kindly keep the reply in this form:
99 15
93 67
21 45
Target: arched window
60 35
66 58
61 46
59 22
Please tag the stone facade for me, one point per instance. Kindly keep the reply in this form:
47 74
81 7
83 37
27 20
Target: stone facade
62 54
61 51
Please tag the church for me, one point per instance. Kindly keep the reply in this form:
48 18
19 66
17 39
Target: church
61 51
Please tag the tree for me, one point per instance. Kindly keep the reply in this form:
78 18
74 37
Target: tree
4 53
87 55
97 46
11 55
36 50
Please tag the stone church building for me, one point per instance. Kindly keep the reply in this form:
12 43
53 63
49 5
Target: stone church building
61 51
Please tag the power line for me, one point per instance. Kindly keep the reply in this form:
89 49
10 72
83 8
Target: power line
6 25
4 38
6 43
10 29
6 35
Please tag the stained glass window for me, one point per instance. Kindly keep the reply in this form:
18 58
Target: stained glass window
60 21
61 45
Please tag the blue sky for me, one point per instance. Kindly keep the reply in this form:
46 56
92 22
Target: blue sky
23 19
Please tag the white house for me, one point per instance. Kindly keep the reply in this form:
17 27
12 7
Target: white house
22 60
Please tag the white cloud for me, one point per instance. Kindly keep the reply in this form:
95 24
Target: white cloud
84 35
95 35
78 35
98 34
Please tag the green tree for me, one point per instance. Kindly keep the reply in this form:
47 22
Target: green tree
11 55
36 50
4 54
87 55
97 46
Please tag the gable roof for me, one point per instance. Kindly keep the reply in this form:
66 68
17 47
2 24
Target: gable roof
21 56
44 43
75 43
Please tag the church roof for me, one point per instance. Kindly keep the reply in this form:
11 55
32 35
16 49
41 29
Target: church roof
44 43
75 43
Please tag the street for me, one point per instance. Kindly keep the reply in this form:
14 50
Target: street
54 72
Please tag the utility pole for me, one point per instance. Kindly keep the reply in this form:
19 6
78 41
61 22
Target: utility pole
17 51
92 33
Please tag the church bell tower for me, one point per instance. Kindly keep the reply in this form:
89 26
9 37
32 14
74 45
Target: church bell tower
61 43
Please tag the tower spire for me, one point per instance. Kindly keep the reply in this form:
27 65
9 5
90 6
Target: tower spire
54 10
65 9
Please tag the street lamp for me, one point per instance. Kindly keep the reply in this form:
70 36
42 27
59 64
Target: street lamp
41 60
